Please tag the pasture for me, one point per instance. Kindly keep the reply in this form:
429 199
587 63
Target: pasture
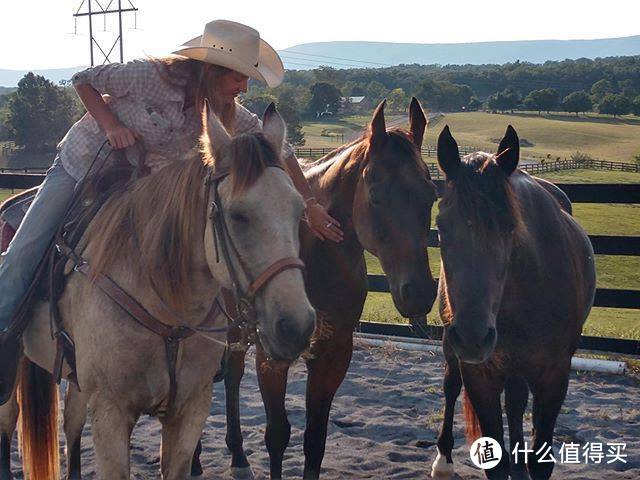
558 135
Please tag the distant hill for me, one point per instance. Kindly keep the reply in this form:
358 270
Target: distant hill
378 54
10 78
7 90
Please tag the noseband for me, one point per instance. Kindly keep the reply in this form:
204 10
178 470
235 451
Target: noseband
245 298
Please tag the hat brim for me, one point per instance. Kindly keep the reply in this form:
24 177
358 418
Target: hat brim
268 70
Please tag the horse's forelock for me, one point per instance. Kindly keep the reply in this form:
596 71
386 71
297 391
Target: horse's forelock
248 156
483 192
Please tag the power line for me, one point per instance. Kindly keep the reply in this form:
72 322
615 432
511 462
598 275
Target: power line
319 63
338 58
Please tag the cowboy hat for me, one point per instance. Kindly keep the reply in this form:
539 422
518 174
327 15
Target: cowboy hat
238 47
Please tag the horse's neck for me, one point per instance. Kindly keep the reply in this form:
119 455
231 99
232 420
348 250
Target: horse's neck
334 182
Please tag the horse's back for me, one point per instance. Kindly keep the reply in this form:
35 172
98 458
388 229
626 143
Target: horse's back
562 247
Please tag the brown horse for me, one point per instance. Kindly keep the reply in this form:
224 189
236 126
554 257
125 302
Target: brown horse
517 282
380 191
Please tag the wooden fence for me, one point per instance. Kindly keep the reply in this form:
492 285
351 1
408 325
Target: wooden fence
602 244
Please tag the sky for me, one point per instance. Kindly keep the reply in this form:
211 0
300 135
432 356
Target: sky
42 33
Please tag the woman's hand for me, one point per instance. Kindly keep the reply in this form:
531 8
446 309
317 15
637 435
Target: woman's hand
322 224
120 136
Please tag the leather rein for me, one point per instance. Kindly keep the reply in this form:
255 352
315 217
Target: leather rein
172 335
245 298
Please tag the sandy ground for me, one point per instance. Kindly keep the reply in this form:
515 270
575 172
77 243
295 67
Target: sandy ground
385 420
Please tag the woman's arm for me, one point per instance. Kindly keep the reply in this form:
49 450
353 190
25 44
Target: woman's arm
118 135
322 224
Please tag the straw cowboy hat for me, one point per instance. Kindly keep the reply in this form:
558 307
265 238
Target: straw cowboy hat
238 47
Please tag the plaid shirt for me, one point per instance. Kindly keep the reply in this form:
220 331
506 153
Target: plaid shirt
151 107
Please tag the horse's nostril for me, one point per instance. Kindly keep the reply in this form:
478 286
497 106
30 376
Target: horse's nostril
285 328
293 332
406 291
490 338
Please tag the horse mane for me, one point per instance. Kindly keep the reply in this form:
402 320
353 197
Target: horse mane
152 223
401 141
485 195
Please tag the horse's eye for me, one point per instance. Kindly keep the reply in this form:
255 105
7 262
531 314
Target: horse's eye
378 198
239 217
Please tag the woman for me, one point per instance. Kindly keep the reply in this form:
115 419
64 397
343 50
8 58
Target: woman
156 103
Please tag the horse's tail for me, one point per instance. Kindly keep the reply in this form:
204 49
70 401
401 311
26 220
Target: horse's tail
38 400
472 424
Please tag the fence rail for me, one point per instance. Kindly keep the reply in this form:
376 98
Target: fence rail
602 244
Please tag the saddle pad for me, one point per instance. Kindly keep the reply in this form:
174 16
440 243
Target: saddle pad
14 214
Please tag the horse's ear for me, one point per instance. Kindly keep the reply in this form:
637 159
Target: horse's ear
216 137
274 128
448 153
417 122
377 128
509 151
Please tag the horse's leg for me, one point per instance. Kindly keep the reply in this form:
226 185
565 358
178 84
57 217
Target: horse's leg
443 468
240 467
327 368
549 390
180 434
272 379
8 420
75 417
484 385
516 394
111 430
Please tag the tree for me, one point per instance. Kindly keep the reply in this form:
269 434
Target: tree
508 99
258 101
397 100
474 104
601 88
39 113
615 105
635 106
577 102
546 99
375 92
290 111
445 96
324 97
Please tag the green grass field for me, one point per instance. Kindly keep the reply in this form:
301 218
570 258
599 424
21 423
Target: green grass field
558 135
340 130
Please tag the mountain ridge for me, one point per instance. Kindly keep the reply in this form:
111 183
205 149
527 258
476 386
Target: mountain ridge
371 54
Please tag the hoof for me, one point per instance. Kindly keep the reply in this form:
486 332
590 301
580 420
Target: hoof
441 469
242 473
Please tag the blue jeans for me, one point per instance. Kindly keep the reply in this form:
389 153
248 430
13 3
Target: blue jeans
30 242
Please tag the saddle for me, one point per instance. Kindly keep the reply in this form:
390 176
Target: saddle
50 278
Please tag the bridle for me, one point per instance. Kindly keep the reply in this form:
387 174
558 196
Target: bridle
245 298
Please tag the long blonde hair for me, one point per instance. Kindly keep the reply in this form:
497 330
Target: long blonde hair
199 81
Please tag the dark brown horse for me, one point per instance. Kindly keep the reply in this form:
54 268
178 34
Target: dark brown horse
517 282
380 191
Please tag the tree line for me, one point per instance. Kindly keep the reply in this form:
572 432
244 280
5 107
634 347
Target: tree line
38 113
